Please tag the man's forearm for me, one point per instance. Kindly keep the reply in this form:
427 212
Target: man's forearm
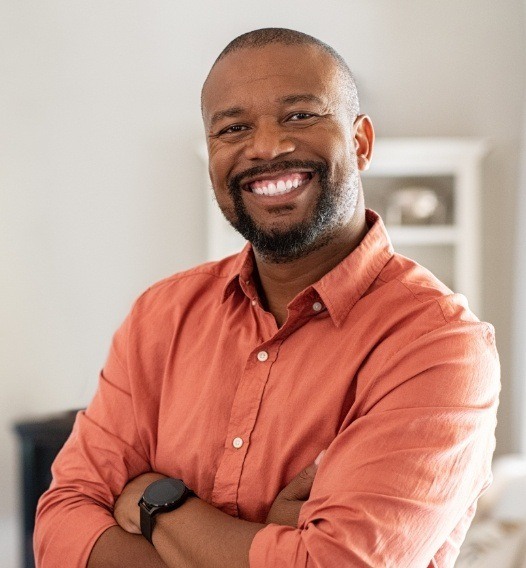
197 535
117 548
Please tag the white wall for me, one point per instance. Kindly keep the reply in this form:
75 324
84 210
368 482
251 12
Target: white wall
101 183
518 353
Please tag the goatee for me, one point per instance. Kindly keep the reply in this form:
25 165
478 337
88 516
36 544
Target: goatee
279 246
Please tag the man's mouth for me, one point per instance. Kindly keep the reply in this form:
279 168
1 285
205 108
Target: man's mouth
278 184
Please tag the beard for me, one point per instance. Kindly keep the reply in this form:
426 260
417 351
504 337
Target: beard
334 206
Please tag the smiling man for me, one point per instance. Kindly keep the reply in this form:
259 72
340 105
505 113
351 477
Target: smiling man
317 399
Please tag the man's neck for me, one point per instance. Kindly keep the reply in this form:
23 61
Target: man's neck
280 283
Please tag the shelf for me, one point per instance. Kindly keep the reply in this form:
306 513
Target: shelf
426 156
423 235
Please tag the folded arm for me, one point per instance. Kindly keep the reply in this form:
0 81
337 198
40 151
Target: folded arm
407 464
397 483
196 535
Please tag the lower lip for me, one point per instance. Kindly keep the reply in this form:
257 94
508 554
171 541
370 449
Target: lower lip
280 199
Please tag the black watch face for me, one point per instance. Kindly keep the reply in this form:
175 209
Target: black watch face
164 492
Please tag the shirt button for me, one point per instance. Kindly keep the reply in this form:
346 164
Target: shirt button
262 356
317 306
237 443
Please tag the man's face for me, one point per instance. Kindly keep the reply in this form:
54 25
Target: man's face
281 147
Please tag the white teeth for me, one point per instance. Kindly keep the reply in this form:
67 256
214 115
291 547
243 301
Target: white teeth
279 188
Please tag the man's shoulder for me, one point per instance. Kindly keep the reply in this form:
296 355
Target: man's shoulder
418 324
413 287
212 271
204 282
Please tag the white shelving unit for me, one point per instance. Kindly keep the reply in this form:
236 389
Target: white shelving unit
450 166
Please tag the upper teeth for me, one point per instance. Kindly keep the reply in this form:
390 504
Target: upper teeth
279 188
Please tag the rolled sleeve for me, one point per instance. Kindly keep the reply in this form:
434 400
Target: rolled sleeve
102 454
401 479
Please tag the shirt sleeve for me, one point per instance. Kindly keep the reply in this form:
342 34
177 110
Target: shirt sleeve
404 472
103 452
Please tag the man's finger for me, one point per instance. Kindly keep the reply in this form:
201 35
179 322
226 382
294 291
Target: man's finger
300 486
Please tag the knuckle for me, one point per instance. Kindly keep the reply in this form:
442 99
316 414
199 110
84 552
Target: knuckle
305 475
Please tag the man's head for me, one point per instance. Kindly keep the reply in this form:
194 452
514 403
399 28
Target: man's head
283 36
281 112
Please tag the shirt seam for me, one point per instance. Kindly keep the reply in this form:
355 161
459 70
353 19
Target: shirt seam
421 301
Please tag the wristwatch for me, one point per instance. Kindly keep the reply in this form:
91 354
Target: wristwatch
159 497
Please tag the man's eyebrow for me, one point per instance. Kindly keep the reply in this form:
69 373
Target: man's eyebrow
231 112
300 98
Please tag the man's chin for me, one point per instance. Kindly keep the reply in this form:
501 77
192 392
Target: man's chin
284 246
284 239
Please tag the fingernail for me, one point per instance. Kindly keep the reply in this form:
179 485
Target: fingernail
318 459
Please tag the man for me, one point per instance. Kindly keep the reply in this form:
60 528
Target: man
329 402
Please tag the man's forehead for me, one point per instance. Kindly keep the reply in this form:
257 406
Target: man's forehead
304 66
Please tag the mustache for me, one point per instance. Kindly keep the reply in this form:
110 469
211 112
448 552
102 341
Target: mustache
234 184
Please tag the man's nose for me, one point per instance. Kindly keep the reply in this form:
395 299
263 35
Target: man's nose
268 141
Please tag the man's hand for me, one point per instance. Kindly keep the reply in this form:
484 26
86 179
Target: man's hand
126 510
286 507
284 511
196 534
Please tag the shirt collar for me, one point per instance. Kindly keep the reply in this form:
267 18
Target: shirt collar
241 271
346 283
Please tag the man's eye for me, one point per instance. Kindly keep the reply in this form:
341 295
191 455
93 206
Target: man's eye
300 116
235 128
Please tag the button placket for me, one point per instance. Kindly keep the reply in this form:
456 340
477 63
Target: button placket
242 422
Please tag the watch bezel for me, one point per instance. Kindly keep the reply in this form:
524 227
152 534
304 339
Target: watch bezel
163 493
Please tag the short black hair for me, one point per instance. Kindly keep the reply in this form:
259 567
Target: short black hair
265 36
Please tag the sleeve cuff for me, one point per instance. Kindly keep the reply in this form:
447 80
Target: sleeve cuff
69 541
277 546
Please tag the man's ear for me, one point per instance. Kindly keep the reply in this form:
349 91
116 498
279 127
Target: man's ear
363 132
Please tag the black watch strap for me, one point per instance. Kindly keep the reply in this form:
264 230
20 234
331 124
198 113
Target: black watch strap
147 522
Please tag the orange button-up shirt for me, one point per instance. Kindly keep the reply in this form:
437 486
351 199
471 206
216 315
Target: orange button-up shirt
377 362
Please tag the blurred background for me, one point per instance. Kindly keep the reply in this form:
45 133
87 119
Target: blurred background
103 185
